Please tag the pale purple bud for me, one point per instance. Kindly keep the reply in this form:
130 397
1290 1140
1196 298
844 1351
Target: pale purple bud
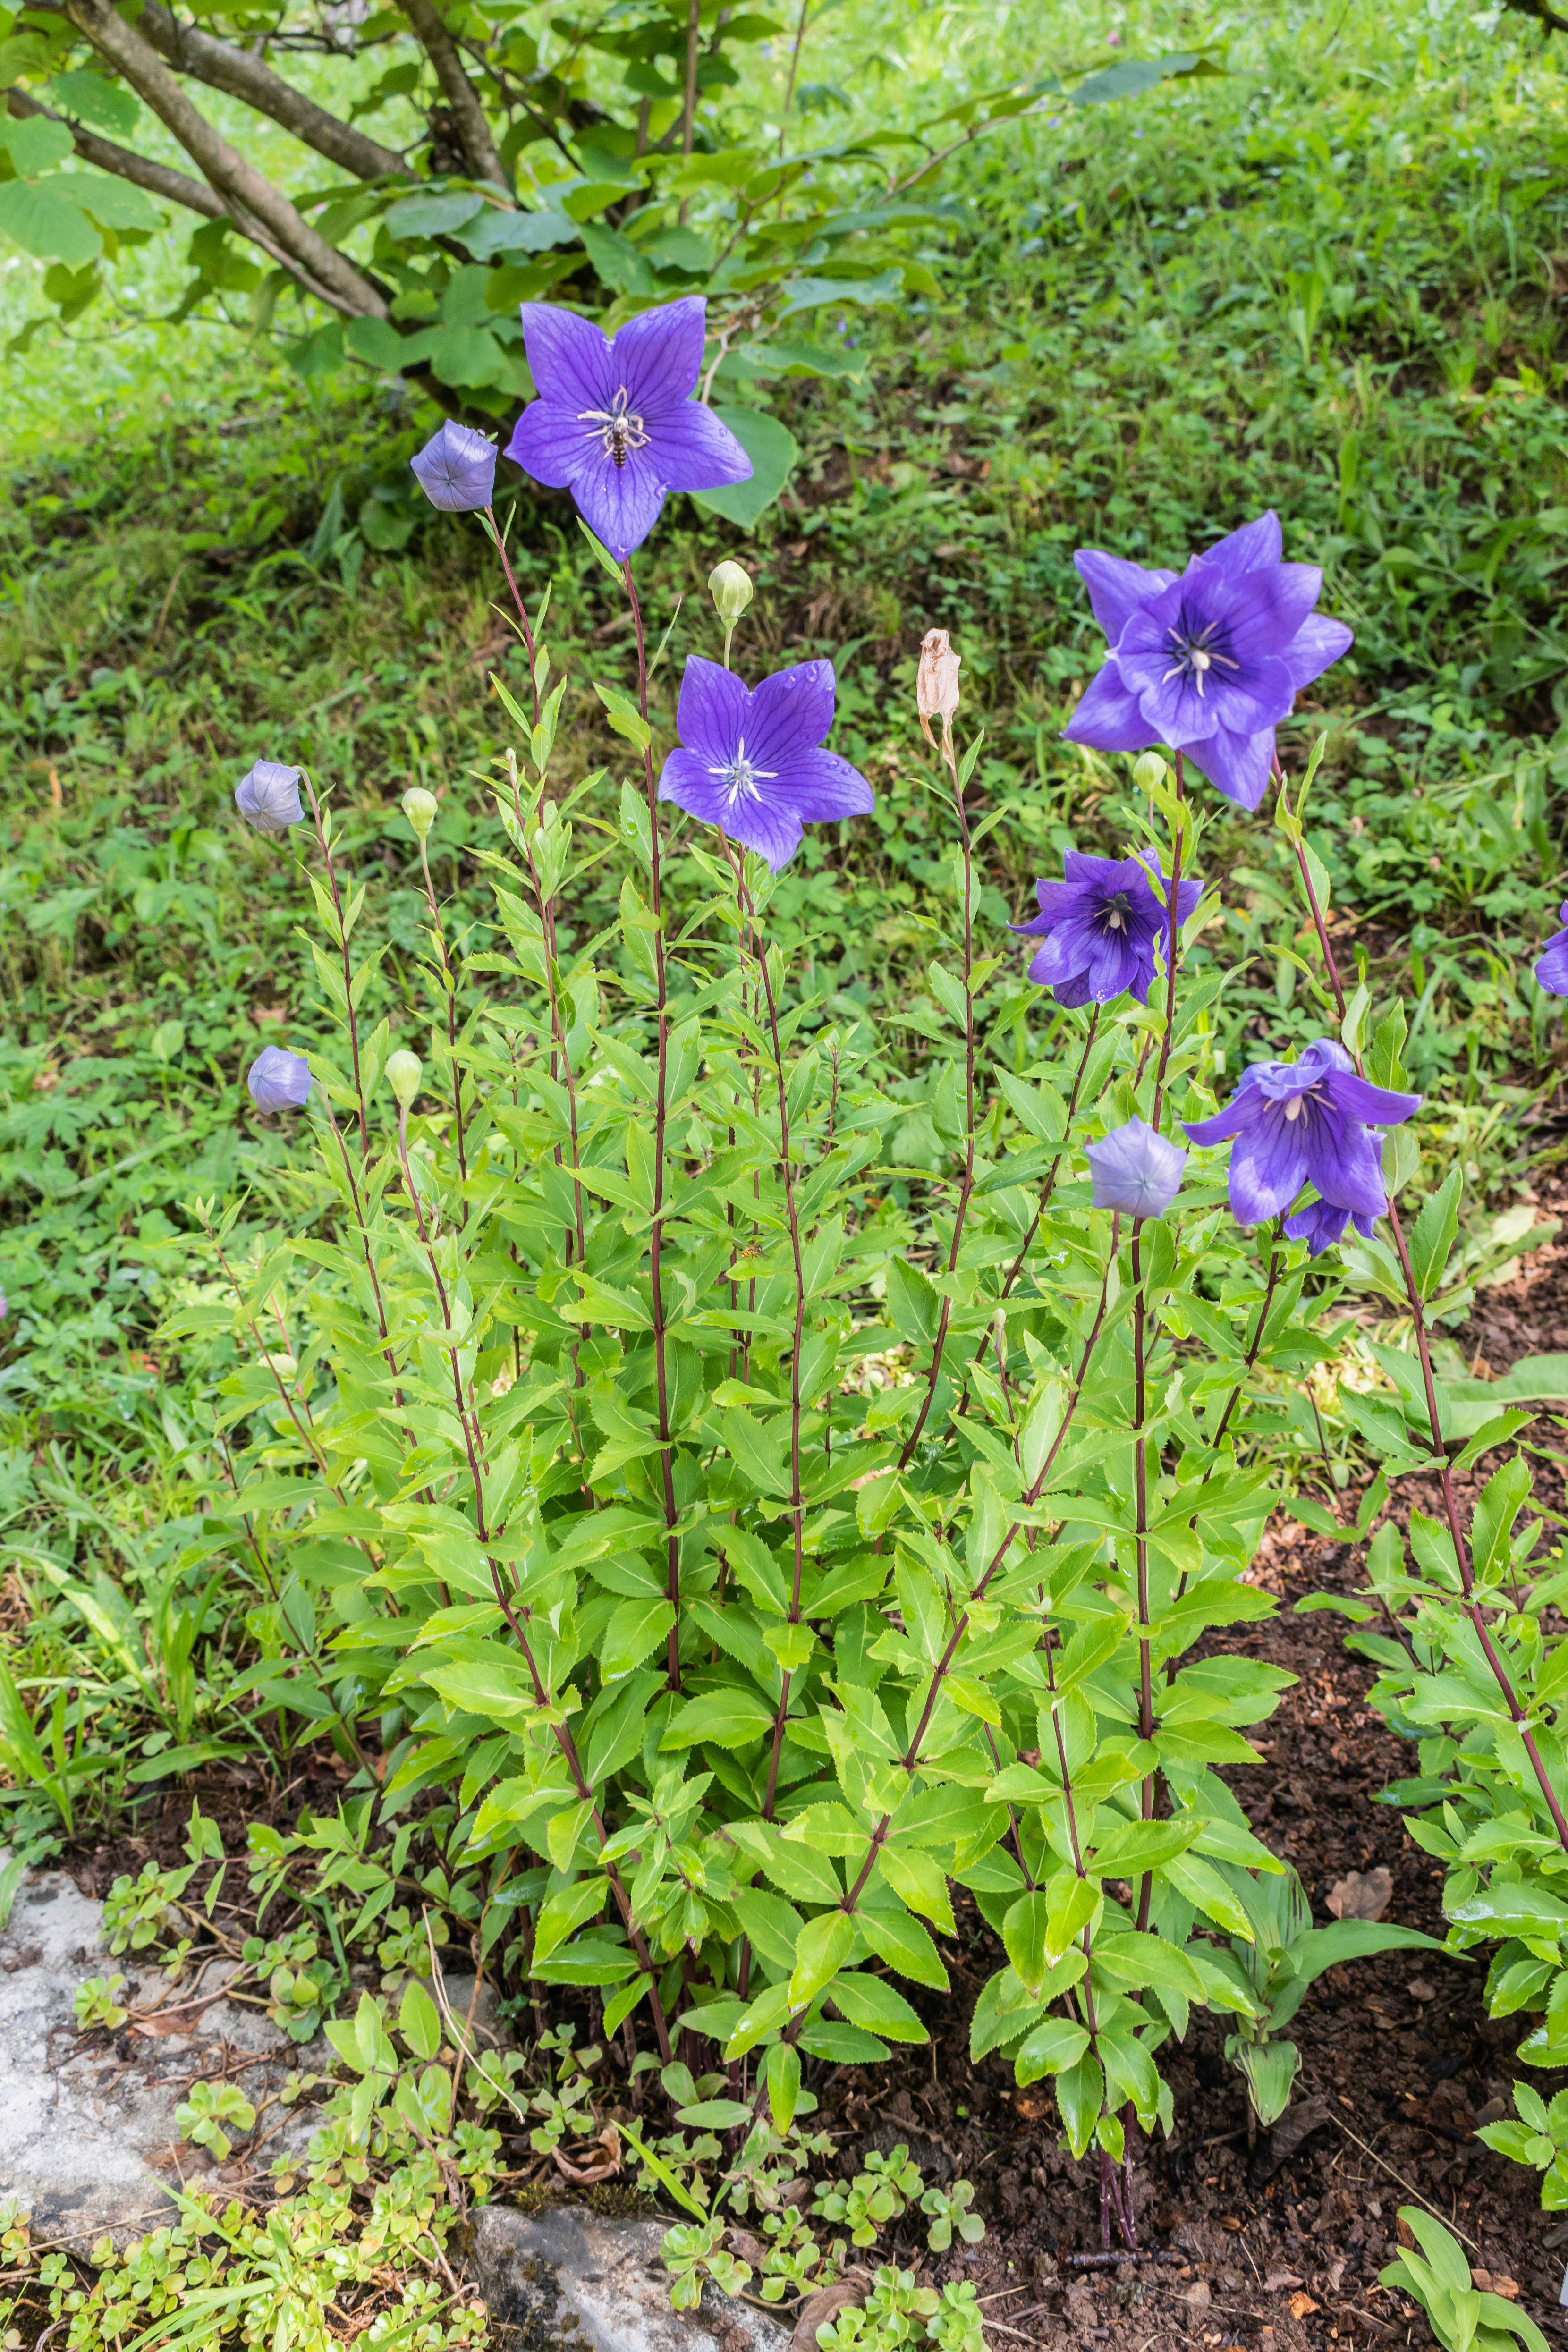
268 798
456 469
279 1080
1136 1171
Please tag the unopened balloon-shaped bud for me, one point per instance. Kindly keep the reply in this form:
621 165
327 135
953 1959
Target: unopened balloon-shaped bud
730 585
278 1080
936 683
1135 1170
268 798
456 469
1149 773
419 808
404 1072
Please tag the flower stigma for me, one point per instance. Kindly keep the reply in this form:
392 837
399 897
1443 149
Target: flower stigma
1195 655
741 778
621 431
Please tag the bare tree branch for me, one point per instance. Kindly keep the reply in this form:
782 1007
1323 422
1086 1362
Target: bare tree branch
174 187
244 189
221 67
457 90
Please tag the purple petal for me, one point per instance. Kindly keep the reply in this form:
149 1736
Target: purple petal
695 450
620 504
789 714
1359 1099
1239 765
1116 587
1246 550
1317 643
1552 965
1343 1159
710 717
1271 607
1069 993
768 826
658 356
549 443
1109 719
1241 1112
568 358
1268 1167
1321 1224
821 788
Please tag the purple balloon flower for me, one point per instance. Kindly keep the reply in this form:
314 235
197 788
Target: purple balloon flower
1208 662
457 469
1102 924
1321 1223
1296 1120
1551 964
615 420
753 763
279 1080
1136 1171
268 798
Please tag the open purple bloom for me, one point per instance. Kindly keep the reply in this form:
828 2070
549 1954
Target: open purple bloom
1551 964
1209 661
456 469
753 763
1321 1224
268 798
278 1080
615 420
1136 1171
1296 1120
1102 927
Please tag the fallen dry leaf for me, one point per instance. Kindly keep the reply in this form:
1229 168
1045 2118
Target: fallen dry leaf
1355 1897
1277 2281
825 2304
1300 2304
609 2139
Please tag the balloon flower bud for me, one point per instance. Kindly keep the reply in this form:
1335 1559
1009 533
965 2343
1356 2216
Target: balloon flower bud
730 588
404 1071
419 808
456 469
268 798
1149 773
936 683
1135 1170
278 1080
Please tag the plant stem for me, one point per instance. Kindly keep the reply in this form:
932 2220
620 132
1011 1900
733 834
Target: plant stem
350 1016
660 1112
1173 934
967 1186
448 977
517 600
1450 1501
1141 1546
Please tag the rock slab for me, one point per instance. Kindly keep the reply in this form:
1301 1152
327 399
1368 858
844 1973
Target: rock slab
85 2119
569 2281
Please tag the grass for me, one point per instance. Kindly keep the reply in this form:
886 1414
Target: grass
1327 282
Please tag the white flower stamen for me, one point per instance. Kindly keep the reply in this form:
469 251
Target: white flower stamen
1195 656
743 777
620 430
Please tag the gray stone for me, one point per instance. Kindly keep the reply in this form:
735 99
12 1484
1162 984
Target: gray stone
88 2137
569 2278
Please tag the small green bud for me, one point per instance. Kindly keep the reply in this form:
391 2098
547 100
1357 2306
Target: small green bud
419 808
1148 773
730 589
404 1071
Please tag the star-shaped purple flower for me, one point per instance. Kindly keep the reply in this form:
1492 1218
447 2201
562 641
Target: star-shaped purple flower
1321 1225
1296 1120
1102 926
1136 1171
753 763
456 469
268 797
1208 662
1551 964
615 420
278 1080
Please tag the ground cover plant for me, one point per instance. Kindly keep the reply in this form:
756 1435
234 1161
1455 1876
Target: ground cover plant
846 997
